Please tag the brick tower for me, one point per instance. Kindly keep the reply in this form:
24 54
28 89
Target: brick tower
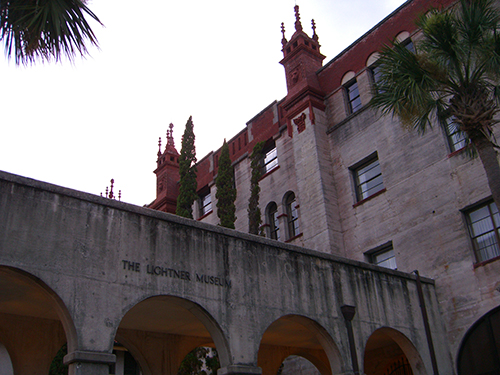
301 60
167 176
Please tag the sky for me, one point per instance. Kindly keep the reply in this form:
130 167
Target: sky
79 124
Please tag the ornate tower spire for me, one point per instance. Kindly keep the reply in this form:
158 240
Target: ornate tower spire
298 25
315 36
301 59
283 40
170 136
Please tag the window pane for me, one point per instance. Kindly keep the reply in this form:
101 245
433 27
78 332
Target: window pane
456 138
270 161
385 258
205 204
272 218
292 216
353 97
483 226
409 45
368 179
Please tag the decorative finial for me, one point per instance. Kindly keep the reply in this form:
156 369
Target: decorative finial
109 192
111 196
159 146
283 41
298 25
170 135
315 36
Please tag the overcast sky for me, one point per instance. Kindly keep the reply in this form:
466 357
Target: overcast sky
160 61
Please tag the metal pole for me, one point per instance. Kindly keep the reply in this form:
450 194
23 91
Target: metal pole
348 313
426 324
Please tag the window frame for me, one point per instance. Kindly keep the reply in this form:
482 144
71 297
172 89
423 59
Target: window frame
292 216
386 248
374 73
451 136
273 221
494 231
204 207
358 183
351 99
269 161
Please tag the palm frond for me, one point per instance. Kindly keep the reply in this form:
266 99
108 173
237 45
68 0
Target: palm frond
407 87
45 29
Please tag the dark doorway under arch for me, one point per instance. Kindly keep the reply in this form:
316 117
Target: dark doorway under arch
479 353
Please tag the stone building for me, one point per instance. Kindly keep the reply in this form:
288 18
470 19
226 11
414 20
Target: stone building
353 204
342 179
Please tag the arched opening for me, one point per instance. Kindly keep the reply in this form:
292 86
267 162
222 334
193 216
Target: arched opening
294 335
201 360
160 331
5 362
272 221
34 322
297 365
389 352
479 353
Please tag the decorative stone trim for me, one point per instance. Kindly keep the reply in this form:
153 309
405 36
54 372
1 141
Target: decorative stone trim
294 237
204 216
370 197
239 370
268 173
89 357
484 262
457 152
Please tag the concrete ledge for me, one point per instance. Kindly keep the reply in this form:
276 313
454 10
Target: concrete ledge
28 183
239 369
89 357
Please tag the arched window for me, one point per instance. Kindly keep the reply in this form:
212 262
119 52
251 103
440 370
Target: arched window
272 220
292 215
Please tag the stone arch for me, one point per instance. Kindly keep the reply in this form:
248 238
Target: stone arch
36 321
136 353
170 327
301 336
372 59
385 347
347 77
402 36
479 352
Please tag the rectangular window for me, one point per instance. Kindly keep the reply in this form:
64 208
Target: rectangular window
408 44
483 223
375 72
368 178
270 160
353 99
205 203
456 138
383 256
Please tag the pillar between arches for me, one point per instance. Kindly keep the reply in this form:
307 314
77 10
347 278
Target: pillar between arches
89 363
239 370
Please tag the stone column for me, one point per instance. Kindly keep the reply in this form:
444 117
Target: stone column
89 363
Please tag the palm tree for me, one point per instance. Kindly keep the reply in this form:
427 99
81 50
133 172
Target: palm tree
45 29
451 76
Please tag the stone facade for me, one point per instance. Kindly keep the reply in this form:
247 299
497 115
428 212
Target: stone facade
420 212
91 272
